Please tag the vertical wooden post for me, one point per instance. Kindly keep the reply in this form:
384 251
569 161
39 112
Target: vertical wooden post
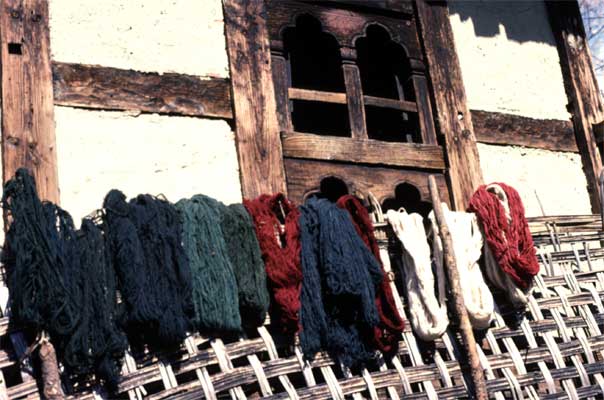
354 93
255 108
28 130
584 98
465 326
453 116
424 106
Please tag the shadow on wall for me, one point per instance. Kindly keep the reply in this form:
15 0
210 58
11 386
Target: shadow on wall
522 21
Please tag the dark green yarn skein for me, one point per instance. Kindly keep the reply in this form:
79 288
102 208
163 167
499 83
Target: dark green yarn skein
245 255
212 278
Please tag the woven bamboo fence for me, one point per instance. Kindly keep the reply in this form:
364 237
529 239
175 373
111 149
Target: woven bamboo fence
556 352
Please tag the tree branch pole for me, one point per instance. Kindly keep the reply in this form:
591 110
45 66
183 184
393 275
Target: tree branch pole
467 334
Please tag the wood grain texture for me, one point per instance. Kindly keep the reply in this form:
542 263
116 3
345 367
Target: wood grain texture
424 108
28 135
368 151
356 106
89 86
453 115
585 100
257 127
316 95
508 129
304 177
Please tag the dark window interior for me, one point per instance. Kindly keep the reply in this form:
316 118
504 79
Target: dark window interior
408 197
315 64
385 72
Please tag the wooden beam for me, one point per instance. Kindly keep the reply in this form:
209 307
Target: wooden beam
454 120
366 151
89 86
28 136
508 129
257 126
585 101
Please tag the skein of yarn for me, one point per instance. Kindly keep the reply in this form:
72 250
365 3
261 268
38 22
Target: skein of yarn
213 281
281 254
427 306
504 202
246 258
144 236
97 344
37 251
386 334
341 275
467 246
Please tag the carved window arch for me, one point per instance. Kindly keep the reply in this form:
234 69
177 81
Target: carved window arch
358 75
353 99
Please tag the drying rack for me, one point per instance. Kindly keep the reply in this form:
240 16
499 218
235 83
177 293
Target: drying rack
556 352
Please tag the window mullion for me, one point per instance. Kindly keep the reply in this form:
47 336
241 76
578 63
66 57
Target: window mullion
354 93
281 80
422 97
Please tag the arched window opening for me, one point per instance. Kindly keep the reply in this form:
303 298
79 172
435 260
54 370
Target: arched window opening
408 197
315 64
386 74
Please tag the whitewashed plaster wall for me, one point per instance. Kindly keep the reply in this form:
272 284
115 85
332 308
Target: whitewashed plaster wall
510 64
174 156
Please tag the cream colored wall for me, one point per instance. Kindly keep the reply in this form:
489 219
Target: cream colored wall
173 156
147 153
184 36
510 64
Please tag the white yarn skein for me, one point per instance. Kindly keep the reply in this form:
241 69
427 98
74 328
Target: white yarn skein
467 245
428 313
496 275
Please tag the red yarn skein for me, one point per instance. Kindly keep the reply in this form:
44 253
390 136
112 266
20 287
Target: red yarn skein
391 323
511 244
282 261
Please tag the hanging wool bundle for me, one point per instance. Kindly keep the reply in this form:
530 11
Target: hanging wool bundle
245 256
510 258
467 246
386 334
37 253
213 281
97 344
281 254
338 310
153 272
428 310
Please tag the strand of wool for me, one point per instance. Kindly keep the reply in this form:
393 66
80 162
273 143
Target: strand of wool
467 246
510 240
427 305
144 236
387 333
213 281
281 254
341 275
246 258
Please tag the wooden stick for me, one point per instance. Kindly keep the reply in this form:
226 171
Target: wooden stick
50 371
467 334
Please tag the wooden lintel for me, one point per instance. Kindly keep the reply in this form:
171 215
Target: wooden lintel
509 129
28 134
255 108
584 99
363 151
89 86
454 120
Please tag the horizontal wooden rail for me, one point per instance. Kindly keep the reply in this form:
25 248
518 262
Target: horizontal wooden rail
106 88
309 146
316 95
390 103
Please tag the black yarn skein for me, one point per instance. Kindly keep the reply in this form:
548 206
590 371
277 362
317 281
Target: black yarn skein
152 267
338 311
